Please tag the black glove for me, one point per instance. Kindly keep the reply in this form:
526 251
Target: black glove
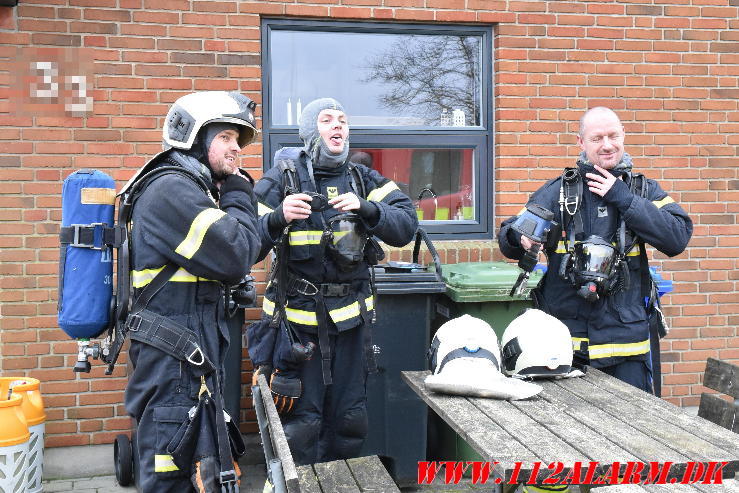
286 391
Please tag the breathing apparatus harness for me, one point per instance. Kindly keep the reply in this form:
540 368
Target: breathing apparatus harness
591 264
361 246
169 336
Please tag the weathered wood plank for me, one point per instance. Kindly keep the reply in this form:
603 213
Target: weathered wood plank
651 424
491 441
728 486
371 476
715 409
585 439
308 481
335 477
690 423
531 434
612 428
279 442
722 376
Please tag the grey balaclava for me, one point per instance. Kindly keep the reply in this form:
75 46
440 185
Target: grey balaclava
314 146
623 166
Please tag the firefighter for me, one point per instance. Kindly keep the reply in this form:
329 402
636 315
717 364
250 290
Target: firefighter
195 221
319 211
607 218
598 272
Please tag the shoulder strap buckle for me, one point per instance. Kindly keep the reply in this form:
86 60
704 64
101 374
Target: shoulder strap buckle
197 352
571 204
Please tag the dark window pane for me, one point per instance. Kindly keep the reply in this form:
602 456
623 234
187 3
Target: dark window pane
383 79
439 181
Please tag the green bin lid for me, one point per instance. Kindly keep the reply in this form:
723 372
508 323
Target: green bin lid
485 281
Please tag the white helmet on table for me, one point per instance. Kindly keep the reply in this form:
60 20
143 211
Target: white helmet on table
465 360
536 344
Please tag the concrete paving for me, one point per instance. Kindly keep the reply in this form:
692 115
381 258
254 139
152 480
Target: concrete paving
90 469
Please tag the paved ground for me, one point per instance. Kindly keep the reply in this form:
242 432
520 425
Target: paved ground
253 482
90 469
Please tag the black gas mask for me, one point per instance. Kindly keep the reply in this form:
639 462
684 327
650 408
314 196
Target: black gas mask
591 267
345 238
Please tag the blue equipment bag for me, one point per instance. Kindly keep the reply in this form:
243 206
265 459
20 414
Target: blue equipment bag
86 254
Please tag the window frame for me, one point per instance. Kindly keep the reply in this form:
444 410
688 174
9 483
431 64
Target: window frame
478 138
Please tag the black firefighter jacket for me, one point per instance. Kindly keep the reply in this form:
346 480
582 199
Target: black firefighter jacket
615 327
176 221
396 225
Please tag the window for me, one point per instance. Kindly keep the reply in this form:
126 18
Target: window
419 102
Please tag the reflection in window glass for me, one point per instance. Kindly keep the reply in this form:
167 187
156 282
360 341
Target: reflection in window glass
381 79
439 181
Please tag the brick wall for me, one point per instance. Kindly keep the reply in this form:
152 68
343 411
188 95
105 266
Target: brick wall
668 67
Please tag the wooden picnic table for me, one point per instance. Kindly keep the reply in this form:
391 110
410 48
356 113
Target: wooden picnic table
578 420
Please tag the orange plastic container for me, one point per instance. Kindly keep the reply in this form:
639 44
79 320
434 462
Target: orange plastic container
33 404
14 444
32 408
13 425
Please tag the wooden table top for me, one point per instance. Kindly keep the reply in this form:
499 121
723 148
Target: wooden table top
593 418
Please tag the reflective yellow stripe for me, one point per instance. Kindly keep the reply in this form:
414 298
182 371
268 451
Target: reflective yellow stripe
663 202
380 193
305 237
560 247
198 228
303 317
610 350
140 278
164 463
306 317
546 489
263 209
349 311
577 343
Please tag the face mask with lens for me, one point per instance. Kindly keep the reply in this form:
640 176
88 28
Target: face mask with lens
346 240
593 265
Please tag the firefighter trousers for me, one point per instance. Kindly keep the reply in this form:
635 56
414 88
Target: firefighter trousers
329 422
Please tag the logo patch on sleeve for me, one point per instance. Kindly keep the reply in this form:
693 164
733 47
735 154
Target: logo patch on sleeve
332 192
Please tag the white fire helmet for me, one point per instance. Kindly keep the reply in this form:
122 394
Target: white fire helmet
465 360
536 344
191 112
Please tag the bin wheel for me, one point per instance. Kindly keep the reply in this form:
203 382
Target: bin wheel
123 460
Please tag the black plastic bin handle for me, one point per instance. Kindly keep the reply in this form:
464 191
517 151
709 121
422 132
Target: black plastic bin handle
420 233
